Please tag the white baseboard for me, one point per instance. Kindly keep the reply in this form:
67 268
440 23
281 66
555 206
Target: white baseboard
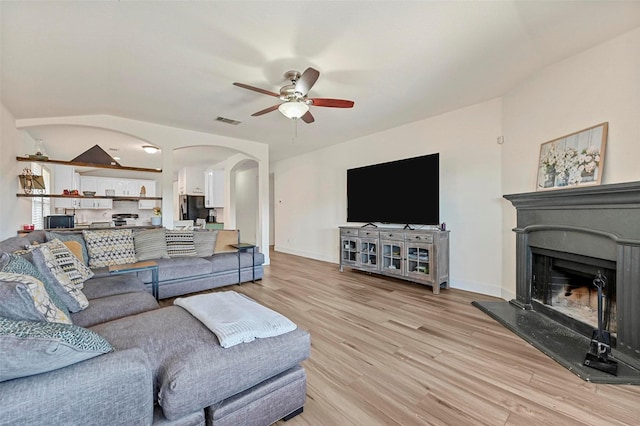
310 255
487 289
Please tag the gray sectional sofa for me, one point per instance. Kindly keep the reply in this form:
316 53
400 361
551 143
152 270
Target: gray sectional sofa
209 267
150 365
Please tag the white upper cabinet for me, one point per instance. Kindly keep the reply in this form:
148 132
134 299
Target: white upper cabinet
191 181
65 177
214 188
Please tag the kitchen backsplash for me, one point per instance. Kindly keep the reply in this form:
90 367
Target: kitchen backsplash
90 215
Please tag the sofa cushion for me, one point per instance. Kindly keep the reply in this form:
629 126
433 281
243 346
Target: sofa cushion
23 297
150 244
45 259
268 401
224 239
71 237
187 358
14 244
178 267
109 247
114 307
33 347
19 265
112 285
180 243
205 242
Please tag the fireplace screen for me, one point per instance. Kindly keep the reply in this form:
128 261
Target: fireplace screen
564 283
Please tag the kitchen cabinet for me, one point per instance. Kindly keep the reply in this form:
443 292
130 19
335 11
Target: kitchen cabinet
127 187
65 177
120 187
214 188
191 181
96 203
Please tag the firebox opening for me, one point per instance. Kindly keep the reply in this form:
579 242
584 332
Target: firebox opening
562 286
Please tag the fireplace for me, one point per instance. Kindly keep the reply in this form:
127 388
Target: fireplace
562 287
565 239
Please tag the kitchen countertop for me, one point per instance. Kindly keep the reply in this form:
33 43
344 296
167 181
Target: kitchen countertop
81 228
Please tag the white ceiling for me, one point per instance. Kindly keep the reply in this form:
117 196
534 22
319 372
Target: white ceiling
174 63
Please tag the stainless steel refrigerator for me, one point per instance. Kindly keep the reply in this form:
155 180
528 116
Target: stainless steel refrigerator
192 207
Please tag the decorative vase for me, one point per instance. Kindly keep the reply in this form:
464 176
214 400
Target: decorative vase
587 176
156 220
550 177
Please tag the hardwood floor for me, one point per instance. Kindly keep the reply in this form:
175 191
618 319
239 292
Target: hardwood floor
389 352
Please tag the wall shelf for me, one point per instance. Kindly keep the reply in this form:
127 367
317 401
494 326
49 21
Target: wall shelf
114 198
80 164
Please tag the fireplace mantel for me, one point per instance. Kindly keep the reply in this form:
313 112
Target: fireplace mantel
615 195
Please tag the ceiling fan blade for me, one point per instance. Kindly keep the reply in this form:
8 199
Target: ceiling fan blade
266 110
308 118
256 89
333 103
307 80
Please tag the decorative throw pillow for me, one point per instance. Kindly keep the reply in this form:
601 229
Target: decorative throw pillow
150 244
224 239
45 259
71 237
76 249
18 265
180 243
25 298
108 247
33 347
204 241
77 271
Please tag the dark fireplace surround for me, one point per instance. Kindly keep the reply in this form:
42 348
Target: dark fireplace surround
601 222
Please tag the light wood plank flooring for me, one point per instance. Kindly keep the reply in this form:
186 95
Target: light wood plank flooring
389 352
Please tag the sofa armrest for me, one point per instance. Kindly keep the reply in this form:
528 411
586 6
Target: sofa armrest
114 388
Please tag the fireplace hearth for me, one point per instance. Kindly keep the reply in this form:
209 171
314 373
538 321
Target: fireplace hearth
564 239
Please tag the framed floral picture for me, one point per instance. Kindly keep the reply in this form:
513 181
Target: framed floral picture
573 160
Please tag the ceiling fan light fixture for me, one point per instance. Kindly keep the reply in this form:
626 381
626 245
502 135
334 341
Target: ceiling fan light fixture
150 149
293 109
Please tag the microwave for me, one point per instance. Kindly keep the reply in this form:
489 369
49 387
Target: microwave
59 221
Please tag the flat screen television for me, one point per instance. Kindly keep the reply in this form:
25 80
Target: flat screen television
401 192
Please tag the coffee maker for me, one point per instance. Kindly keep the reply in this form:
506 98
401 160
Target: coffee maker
212 216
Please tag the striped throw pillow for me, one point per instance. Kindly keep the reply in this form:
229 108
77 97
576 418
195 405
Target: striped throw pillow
180 243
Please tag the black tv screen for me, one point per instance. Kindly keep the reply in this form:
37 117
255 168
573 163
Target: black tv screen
403 192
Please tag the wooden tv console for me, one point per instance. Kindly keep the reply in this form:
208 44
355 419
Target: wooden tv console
417 255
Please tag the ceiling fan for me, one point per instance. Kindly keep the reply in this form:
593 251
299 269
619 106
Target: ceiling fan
296 103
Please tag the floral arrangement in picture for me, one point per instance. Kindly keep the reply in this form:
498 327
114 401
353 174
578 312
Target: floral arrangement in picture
588 162
573 160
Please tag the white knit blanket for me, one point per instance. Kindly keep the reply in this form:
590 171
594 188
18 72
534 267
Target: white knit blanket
235 318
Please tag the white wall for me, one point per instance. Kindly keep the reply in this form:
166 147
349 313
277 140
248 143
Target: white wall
310 190
15 211
246 204
601 84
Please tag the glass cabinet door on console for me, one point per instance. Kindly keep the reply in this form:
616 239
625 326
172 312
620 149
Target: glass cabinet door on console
392 257
418 264
369 253
349 250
